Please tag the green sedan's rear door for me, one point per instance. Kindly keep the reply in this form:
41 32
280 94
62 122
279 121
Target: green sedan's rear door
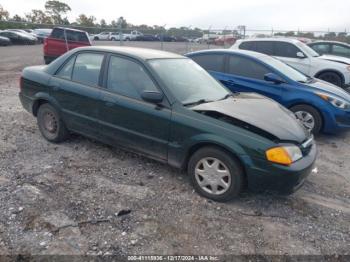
76 89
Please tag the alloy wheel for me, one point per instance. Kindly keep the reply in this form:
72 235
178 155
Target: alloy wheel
306 119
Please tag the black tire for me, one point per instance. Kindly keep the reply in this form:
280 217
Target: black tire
312 111
332 78
96 38
51 125
234 167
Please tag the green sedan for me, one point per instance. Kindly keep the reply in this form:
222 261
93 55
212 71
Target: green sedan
168 108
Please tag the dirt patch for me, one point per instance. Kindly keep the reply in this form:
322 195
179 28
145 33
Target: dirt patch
65 199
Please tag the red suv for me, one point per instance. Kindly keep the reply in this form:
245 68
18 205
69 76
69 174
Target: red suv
62 40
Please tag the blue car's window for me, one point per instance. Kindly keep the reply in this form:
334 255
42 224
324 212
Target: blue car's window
187 81
212 62
128 78
246 67
87 68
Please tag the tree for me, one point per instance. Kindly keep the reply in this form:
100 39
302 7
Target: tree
86 21
56 9
4 15
38 17
306 35
122 22
17 18
330 35
103 23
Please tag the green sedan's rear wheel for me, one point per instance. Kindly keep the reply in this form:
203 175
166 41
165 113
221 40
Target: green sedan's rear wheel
215 174
51 125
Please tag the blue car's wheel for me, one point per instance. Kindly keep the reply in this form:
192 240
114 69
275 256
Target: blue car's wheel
309 117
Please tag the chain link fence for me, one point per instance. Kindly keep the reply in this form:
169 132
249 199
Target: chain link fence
183 39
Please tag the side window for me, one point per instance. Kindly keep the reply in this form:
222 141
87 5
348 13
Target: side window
57 33
242 66
250 45
214 62
76 36
285 50
341 50
265 47
87 68
321 48
128 78
66 71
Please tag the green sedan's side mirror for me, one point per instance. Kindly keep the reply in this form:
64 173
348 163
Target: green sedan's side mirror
152 96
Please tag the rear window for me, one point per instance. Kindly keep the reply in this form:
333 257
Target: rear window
76 36
321 48
283 49
87 68
57 33
265 47
247 46
213 62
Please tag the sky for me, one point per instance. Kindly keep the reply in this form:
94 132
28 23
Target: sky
304 15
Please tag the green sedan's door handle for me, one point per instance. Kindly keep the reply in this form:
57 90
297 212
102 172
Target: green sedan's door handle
55 86
109 101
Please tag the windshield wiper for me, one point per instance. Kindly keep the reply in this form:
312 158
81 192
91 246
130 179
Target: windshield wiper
308 80
198 102
229 95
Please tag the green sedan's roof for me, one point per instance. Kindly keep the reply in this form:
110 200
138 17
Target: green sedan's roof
141 53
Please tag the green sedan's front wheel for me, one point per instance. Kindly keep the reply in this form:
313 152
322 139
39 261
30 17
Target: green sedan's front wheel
215 174
51 125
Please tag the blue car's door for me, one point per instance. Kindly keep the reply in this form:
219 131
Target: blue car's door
243 74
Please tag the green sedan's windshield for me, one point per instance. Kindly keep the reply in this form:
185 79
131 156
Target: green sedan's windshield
187 81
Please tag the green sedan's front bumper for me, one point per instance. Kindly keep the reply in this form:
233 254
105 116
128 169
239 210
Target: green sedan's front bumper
265 176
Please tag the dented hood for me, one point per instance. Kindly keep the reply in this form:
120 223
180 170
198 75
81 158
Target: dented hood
261 113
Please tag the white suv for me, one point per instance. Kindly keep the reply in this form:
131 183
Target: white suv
300 56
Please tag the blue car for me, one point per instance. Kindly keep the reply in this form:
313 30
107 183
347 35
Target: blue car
321 106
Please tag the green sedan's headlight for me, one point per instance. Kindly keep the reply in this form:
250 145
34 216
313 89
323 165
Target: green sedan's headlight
337 102
284 155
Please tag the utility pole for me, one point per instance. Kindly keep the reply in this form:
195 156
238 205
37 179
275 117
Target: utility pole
162 37
208 41
120 31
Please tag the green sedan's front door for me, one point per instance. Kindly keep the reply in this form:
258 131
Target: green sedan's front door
125 118
75 88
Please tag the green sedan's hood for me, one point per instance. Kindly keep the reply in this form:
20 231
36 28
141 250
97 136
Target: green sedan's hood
260 112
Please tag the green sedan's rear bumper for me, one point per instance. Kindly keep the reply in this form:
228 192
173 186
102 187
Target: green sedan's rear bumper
265 176
26 102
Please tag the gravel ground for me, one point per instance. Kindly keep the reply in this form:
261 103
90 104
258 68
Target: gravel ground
83 197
